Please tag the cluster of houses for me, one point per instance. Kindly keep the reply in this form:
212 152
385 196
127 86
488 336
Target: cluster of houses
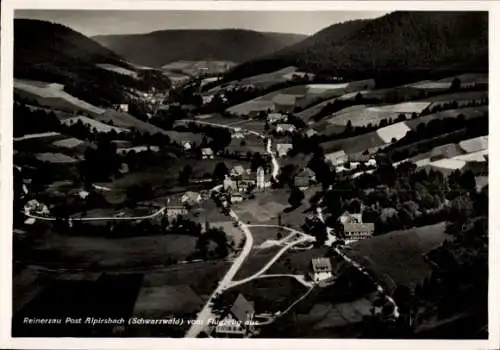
241 181
342 162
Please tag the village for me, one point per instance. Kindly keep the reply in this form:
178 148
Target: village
292 202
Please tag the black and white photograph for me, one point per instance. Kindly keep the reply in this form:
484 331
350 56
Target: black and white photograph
249 174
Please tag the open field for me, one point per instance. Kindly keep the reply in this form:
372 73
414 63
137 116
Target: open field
467 112
256 260
119 70
68 143
60 251
92 123
251 144
179 290
270 204
272 294
395 131
402 261
362 115
304 95
300 261
50 94
460 97
58 158
127 121
354 144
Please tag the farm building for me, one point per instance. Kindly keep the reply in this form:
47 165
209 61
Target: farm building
336 158
234 323
237 135
273 118
283 149
357 231
237 171
229 185
36 207
207 153
284 103
305 178
121 107
350 218
236 197
175 208
321 269
285 128
191 198
207 99
310 132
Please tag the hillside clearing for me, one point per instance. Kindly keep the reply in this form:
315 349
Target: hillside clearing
51 90
91 123
403 259
59 158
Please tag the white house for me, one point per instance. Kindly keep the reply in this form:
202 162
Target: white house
261 182
207 153
191 198
237 321
371 162
336 158
207 99
311 132
285 128
237 135
122 107
321 269
187 145
276 117
283 149
236 197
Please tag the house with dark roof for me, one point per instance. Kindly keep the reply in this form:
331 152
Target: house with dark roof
236 322
304 179
355 231
321 269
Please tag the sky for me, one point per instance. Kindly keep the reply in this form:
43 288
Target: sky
101 22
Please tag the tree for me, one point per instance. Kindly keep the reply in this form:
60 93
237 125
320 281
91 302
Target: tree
220 171
185 174
296 197
316 228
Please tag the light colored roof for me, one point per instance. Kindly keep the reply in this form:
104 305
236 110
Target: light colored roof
241 308
336 155
207 151
286 126
357 227
238 170
321 265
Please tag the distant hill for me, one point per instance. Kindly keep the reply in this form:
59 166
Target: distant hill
161 47
397 45
52 52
